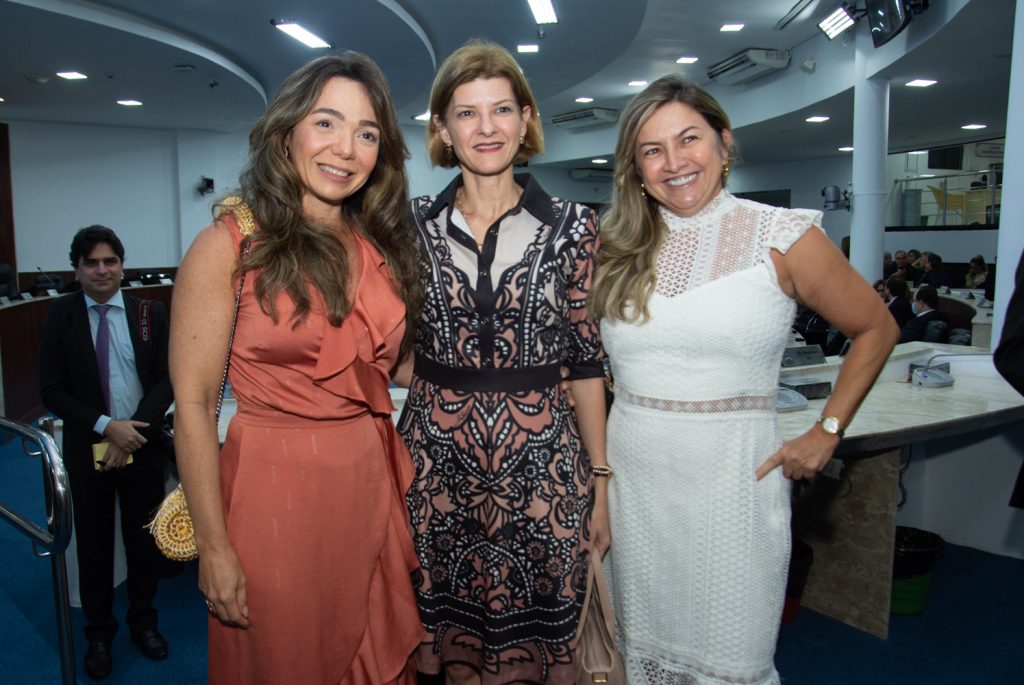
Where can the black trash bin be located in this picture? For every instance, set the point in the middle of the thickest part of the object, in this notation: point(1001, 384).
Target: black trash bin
point(913, 560)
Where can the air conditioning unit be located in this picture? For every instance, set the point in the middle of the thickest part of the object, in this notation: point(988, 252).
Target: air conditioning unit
point(591, 174)
point(593, 116)
point(748, 65)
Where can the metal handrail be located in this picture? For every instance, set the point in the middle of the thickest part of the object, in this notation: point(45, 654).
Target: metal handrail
point(53, 541)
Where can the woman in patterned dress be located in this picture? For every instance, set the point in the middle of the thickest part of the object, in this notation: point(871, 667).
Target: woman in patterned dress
point(696, 291)
point(506, 512)
point(305, 553)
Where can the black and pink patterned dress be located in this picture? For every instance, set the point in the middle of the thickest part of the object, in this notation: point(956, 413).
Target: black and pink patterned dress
point(501, 501)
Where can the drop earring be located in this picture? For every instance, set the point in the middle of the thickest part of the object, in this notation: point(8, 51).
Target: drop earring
point(725, 170)
point(643, 190)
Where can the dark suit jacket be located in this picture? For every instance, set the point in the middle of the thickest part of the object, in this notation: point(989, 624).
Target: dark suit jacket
point(937, 279)
point(916, 327)
point(900, 309)
point(69, 377)
point(1009, 356)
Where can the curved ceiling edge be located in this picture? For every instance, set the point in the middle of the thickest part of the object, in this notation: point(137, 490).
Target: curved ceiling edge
point(402, 14)
point(122, 21)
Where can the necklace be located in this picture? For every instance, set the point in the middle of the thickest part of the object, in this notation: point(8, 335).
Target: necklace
point(460, 204)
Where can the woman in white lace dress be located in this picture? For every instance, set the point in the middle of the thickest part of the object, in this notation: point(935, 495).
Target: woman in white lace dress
point(697, 290)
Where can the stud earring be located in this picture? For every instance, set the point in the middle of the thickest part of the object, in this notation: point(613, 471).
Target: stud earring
point(522, 140)
point(725, 170)
point(287, 153)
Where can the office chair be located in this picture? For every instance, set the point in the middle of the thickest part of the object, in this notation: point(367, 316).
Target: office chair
point(937, 332)
point(947, 202)
point(8, 281)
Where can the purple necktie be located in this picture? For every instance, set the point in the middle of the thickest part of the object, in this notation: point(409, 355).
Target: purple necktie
point(103, 351)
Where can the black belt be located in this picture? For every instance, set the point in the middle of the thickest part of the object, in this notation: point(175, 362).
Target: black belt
point(487, 380)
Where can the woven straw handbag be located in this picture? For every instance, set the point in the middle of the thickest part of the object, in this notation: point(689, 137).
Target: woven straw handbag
point(172, 524)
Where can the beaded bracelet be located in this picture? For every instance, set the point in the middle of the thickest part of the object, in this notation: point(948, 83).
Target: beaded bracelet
point(602, 470)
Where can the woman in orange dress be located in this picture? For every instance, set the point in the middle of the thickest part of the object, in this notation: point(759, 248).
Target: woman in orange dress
point(305, 553)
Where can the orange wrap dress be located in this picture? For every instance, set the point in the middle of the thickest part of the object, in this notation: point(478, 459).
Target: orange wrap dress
point(313, 476)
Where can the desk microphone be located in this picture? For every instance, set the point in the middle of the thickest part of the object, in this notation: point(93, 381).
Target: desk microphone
point(47, 279)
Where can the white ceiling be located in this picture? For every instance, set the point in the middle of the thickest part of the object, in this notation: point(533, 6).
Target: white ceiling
point(139, 48)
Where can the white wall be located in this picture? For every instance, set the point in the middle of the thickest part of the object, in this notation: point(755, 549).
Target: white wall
point(139, 182)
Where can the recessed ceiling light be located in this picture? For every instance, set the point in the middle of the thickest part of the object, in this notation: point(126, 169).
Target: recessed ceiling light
point(584, 100)
point(543, 12)
point(637, 84)
point(129, 103)
point(731, 27)
point(599, 160)
point(71, 75)
point(528, 48)
point(974, 127)
point(846, 149)
point(921, 83)
point(918, 152)
point(816, 120)
point(686, 60)
point(2, 100)
point(423, 117)
point(301, 34)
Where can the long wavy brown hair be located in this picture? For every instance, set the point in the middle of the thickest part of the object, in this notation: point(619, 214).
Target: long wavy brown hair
point(632, 231)
point(290, 252)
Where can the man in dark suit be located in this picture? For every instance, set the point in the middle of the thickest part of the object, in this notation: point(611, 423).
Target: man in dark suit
point(926, 302)
point(899, 305)
point(1009, 358)
point(103, 370)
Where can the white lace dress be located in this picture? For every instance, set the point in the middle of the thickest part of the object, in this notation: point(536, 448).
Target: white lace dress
point(701, 549)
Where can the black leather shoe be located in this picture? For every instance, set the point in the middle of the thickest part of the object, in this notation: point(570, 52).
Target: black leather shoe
point(151, 643)
point(98, 662)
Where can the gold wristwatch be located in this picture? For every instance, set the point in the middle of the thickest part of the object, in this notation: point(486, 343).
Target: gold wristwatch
point(830, 424)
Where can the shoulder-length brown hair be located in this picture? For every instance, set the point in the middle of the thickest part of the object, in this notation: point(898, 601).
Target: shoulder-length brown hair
point(632, 231)
point(291, 252)
point(480, 59)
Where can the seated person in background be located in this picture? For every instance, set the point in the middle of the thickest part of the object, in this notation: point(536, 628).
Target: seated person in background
point(904, 268)
point(899, 302)
point(879, 287)
point(926, 302)
point(981, 182)
point(934, 274)
point(977, 273)
point(888, 267)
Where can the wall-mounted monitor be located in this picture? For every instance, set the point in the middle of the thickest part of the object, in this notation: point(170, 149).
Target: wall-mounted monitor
point(886, 18)
point(946, 158)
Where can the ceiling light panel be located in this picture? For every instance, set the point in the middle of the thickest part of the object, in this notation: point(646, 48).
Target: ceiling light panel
point(816, 120)
point(71, 75)
point(584, 101)
point(129, 103)
point(974, 127)
point(837, 22)
point(921, 83)
point(599, 160)
point(543, 11)
point(686, 60)
point(304, 36)
point(731, 27)
point(637, 84)
point(528, 48)
point(846, 149)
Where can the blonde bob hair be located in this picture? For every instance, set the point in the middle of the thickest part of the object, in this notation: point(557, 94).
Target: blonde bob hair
point(480, 59)
point(632, 231)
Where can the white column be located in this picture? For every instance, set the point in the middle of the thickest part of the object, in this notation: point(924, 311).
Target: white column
point(870, 146)
point(1011, 210)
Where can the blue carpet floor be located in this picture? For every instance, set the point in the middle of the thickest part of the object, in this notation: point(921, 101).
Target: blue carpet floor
point(970, 632)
